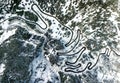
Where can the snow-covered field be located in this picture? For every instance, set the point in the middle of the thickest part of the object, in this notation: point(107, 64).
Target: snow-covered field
point(69, 41)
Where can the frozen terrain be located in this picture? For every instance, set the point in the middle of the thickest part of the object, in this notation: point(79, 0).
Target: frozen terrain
point(59, 41)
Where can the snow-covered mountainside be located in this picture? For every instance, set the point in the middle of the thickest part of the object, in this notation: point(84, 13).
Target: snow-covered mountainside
point(59, 41)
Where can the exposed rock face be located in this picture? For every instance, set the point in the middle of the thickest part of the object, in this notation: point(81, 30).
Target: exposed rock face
point(59, 41)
